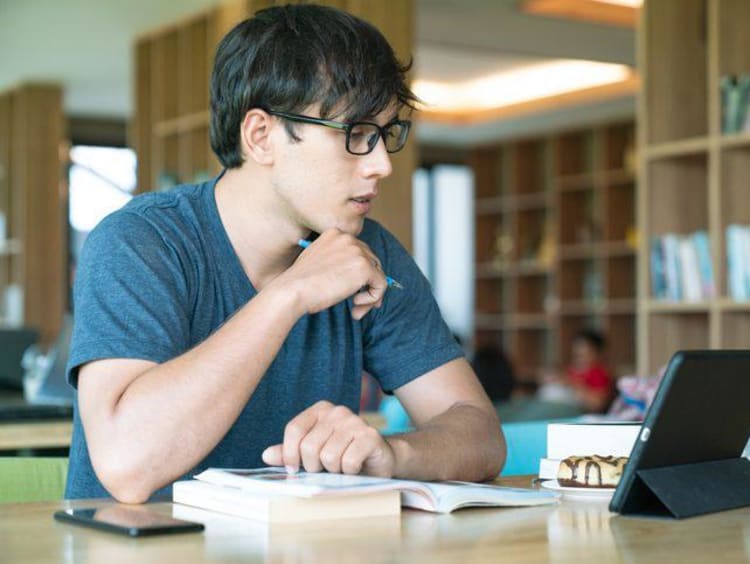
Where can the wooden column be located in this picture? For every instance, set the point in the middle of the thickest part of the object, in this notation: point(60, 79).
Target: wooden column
point(33, 201)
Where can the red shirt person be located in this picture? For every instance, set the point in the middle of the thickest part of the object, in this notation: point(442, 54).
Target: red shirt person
point(589, 375)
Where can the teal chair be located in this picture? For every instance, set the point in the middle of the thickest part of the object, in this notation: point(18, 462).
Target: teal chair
point(527, 444)
point(24, 479)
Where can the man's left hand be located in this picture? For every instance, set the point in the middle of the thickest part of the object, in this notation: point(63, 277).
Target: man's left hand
point(333, 438)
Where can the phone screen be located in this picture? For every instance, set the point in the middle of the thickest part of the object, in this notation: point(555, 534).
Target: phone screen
point(133, 521)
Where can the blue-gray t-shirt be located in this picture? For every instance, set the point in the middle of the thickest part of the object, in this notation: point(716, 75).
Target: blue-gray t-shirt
point(160, 275)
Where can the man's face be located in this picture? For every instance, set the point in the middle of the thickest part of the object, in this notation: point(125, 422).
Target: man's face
point(319, 185)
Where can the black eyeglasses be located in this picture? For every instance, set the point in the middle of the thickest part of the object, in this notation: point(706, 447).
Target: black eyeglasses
point(361, 136)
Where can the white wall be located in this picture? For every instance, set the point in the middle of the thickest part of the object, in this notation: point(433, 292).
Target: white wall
point(452, 241)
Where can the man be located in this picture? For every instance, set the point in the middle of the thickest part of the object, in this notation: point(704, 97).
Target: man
point(204, 334)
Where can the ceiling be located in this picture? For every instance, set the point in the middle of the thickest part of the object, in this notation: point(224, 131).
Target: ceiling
point(87, 46)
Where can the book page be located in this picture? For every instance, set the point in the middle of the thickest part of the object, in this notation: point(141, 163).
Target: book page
point(449, 496)
point(274, 480)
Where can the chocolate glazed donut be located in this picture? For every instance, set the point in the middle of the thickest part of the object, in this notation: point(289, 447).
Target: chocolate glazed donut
point(591, 471)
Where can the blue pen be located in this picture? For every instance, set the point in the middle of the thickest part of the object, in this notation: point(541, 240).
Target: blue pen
point(392, 283)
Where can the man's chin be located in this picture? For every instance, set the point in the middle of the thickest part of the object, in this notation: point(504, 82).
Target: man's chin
point(351, 227)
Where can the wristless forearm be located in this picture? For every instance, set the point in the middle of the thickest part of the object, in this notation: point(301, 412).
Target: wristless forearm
point(464, 443)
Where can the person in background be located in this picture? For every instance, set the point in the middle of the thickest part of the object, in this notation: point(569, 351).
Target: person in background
point(515, 399)
point(588, 375)
point(495, 373)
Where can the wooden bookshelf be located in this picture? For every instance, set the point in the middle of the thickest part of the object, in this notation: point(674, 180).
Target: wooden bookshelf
point(170, 130)
point(691, 176)
point(555, 220)
point(33, 249)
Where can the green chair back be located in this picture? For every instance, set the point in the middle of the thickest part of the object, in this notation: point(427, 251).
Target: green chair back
point(24, 479)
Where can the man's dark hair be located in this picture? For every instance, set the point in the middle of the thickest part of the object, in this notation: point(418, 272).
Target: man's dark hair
point(592, 337)
point(287, 58)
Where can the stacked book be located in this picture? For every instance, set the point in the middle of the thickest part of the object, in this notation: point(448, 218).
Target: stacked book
point(564, 440)
point(681, 267)
point(272, 495)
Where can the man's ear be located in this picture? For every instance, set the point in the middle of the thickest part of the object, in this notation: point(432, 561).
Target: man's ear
point(255, 135)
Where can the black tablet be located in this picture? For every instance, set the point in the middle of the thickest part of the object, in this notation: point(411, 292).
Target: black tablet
point(687, 458)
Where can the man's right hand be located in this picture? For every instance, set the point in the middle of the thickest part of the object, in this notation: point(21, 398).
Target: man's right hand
point(333, 268)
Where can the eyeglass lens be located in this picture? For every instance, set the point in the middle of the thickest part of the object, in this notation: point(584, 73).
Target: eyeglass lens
point(364, 136)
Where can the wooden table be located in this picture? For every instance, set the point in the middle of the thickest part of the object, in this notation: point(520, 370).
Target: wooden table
point(35, 434)
point(573, 531)
point(31, 433)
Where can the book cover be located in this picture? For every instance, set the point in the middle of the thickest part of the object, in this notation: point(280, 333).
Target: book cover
point(735, 262)
point(689, 271)
point(275, 508)
point(658, 281)
point(705, 264)
point(270, 493)
point(586, 439)
point(672, 267)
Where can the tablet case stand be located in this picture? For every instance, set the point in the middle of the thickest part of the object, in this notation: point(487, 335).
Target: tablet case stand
point(687, 490)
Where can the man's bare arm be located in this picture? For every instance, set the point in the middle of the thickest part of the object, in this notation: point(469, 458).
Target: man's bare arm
point(458, 435)
point(148, 424)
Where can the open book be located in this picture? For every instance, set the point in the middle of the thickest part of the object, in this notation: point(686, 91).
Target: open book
point(272, 494)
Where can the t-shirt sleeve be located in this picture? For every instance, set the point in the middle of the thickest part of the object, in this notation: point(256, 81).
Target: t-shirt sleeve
point(407, 336)
point(130, 295)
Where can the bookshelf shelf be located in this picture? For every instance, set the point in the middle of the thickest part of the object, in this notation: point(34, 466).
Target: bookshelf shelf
point(578, 251)
point(619, 177)
point(611, 307)
point(529, 321)
point(692, 177)
point(563, 206)
point(537, 201)
point(511, 270)
point(732, 306)
point(507, 204)
point(658, 306)
point(678, 148)
point(617, 249)
point(621, 307)
point(735, 140)
point(490, 206)
point(488, 321)
point(576, 182)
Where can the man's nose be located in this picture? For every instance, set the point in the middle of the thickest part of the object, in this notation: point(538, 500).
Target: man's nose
point(377, 163)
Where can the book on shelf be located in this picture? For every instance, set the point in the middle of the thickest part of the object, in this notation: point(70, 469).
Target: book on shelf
point(735, 98)
point(273, 495)
point(738, 261)
point(604, 438)
point(681, 267)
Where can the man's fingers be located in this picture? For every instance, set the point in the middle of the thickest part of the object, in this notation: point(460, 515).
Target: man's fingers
point(333, 451)
point(367, 444)
point(273, 456)
point(311, 446)
point(295, 432)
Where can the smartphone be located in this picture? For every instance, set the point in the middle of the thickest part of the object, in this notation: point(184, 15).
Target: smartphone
point(135, 521)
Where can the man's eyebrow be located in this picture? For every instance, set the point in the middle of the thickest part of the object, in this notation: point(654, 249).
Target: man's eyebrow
point(393, 117)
